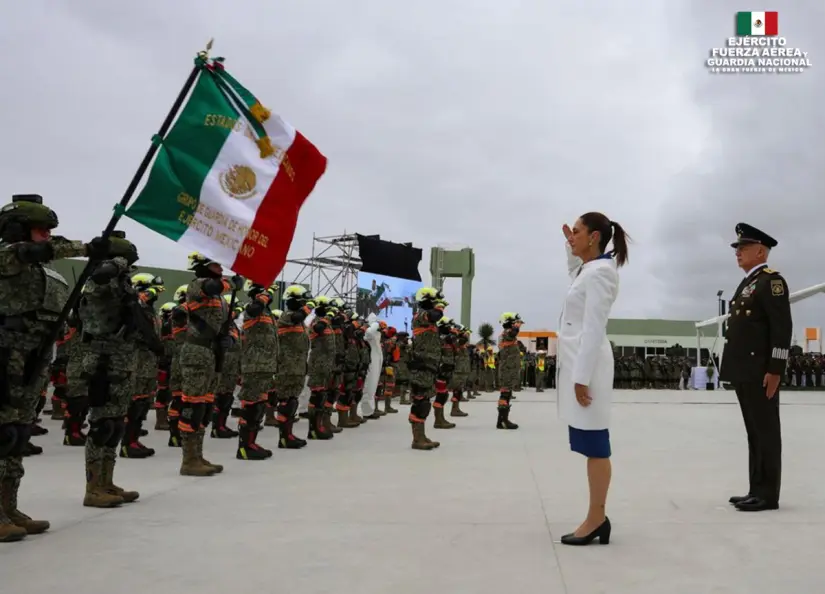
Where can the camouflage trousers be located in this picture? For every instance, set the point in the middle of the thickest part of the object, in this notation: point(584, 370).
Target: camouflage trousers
point(228, 379)
point(422, 383)
point(289, 386)
point(256, 388)
point(320, 374)
point(459, 381)
point(509, 378)
point(489, 379)
point(198, 378)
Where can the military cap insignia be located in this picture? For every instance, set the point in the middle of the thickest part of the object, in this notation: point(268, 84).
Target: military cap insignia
point(777, 288)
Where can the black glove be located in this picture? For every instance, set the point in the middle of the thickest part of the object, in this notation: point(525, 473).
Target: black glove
point(97, 249)
point(226, 342)
point(237, 282)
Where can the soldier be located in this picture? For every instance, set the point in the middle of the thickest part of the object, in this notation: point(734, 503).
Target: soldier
point(509, 362)
point(490, 384)
point(229, 377)
point(293, 348)
point(163, 395)
point(444, 373)
point(112, 318)
point(179, 319)
point(31, 298)
point(206, 341)
point(425, 357)
point(541, 364)
point(347, 415)
point(402, 370)
point(75, 396)
point(258, 365)
point(339, 320)
point(320, 369)
point(148, 288)
point(390, 353)
point(758, 338)
point(461, 373)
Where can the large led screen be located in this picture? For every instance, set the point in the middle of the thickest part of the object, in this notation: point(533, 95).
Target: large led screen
point(391, 299)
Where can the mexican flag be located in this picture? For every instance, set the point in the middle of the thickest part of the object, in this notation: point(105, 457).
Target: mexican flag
point(757, 23)
point(230, 178)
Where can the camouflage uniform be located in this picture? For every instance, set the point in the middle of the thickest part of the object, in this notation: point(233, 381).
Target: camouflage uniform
point(108, 369)
point(179, 319)
point(145, 380)
point(228, 380)
point(347, 405)
point(75, 396)
point(461, 374)
point(387, 382)
point(208, 313)
point(320, 374)
point(293, 347)
point(425, 357)
point(339, 397)
point(31, 298)
point(57, 372)
point(509, 369)
point(258, 366)
point(163, 395)
point(402, 370)
point(444, 375)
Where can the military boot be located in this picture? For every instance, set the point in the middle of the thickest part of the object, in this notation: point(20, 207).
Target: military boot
point(8, 499)
point(440, 421)
point(106, 480)
point(201, 434)
point(404, 397)
point(9, 531)
point(219, 428)
point(37, 429)
point(191, 464)
point(455, 410)
point(345, 421)
point(31, 450)
point(247, 448)
point(328, 424)
point(287, 440)
point(317, 428)
point(161, 419)
point(388, 406)
point(57, 409)
point(504, 418)
point(96, 493)
point(73, 435)
point(419, 442)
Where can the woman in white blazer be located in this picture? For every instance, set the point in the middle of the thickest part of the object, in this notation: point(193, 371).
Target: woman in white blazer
point(585, 358)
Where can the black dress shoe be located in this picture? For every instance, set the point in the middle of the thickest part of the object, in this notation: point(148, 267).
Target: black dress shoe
point(739, 499)
point(755, 504)
point(602, 533)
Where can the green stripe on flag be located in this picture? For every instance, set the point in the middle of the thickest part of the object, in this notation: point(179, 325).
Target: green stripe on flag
point(743, 23)
point(172, 191)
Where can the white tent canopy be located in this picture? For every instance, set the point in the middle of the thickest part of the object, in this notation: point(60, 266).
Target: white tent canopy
point(718, 321)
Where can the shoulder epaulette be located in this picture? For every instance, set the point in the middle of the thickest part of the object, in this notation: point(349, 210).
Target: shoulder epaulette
point(770, 271)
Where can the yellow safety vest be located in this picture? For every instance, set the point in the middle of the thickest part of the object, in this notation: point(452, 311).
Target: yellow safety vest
point(540, 364)
point(491, 362)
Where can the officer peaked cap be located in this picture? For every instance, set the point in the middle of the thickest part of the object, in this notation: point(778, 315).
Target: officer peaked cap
point(746, 234)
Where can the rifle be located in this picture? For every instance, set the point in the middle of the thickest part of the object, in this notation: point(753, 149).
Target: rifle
point(220, 353)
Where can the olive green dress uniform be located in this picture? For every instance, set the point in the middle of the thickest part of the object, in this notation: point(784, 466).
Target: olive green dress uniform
point(758, 338)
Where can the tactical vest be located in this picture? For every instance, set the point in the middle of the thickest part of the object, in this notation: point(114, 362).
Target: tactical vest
point(100, 308)
point(293, 344)
point(206, 314)
point(36, 292)
point(323, 343)
point(426, 345)
point(540, 364)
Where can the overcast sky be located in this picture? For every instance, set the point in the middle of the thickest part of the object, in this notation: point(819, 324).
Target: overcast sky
point(488, 124)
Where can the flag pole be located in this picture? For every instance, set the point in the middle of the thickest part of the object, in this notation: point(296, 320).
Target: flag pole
point(43, 350)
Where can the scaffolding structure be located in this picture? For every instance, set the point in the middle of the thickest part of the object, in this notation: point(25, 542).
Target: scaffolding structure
point(332, 270)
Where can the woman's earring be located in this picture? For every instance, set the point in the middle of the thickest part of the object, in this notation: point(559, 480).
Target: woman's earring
point(590, 243)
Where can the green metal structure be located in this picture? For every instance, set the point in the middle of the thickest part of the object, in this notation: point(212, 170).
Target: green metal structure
point(461, 263)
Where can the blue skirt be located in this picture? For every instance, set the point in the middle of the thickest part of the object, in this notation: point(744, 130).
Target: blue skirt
point(593, 443)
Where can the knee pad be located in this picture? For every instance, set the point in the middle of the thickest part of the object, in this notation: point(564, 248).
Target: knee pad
point(421, 408)
point(143, 409)
point(272, 398)
point(76, 408)
point(291, 407)
point(316, 398)
point(59, 392)
point(101, 431)
point(118, 431)
point(8, 439)
point(442, 397)
point(163, 397)
point(193, 414)
point(176, 405)
point(224, 401)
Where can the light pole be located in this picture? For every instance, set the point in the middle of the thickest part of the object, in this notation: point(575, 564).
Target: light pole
point(721, 302)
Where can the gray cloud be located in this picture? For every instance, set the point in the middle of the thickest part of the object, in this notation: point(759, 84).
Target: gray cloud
point(479, 123)
point(760, 163)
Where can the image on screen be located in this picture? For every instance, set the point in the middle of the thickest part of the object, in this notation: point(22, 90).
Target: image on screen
point(391, 299)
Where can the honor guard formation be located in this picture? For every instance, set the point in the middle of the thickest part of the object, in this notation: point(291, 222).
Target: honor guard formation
point(124, 351)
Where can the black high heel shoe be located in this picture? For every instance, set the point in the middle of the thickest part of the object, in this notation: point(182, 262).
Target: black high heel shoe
point(602, 533)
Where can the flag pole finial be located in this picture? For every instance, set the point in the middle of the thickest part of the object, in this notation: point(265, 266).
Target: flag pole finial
point(205, 52)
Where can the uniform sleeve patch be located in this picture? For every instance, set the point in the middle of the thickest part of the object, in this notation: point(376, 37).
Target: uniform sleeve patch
point(777, 288)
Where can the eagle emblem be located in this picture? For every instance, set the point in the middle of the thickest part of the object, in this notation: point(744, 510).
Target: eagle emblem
point(758, 23)
point(239, 181)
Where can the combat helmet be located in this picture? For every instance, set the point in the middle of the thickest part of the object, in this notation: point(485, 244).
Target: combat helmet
point(296, 296)
point(167, 308)
point(199, 264)
point(428, 297)
point(180, 294)
point(508, 318)
point(143, 281)
point(24, 213)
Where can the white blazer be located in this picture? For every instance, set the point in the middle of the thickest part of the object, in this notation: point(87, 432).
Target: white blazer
point(583, 351)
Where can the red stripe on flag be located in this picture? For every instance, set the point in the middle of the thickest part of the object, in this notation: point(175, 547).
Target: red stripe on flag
point(277, 216)
point(771, 23)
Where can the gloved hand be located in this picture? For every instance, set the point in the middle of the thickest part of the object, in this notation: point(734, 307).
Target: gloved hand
point(237, 282)
point(389, 371)
point(226, 342)
point(122, 248)
point(97, 249)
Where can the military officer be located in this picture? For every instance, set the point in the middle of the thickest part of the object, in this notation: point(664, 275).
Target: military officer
point(758, 338)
